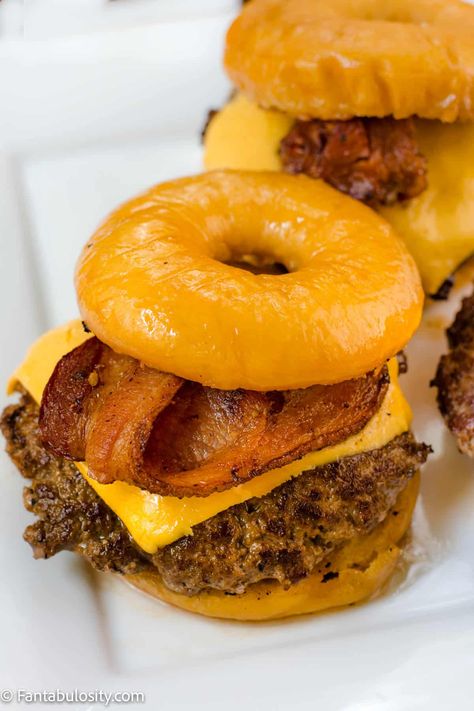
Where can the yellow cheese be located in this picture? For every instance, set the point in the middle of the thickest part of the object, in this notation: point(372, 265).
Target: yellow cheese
point(153, 520)
point(243, 136)
point(438, 226)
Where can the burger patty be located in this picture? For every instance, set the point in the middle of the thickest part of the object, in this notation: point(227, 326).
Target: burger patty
point(70, 514)
point(455, 378)
point(281, 536)
point(373, 160)
point(287, 533)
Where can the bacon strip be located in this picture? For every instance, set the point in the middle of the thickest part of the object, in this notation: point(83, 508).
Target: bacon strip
point(179, 438)
point(100, 407)
point(295, 423)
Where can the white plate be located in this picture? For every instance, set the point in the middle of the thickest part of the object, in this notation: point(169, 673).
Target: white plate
point(90, 120)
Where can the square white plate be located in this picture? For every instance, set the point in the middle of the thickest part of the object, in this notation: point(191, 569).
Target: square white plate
point(88, 120)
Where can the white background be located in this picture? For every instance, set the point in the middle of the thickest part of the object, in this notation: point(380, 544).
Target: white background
point(100, 100)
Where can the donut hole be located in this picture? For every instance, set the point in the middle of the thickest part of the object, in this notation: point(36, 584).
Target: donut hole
point(257, 264)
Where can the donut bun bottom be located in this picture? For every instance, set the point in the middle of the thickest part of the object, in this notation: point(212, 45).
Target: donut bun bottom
point(352, 574)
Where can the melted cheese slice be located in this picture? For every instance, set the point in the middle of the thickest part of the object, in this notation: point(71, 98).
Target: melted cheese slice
point(438, 225)
point(153, 520)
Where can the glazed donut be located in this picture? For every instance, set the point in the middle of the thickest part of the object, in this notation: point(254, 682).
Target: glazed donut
point(335, 59)
point(155, 283)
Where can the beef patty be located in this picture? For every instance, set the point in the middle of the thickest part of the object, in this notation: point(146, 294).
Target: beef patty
point(455, 378)
point(373, 160)
point(281, 536)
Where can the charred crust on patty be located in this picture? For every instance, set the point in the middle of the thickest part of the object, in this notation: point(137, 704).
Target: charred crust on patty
point(454, 378)
point(70, 515)
point(283, 535)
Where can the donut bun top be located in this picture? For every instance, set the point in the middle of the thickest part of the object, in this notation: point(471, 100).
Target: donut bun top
point(156, 282)
point(336, 59)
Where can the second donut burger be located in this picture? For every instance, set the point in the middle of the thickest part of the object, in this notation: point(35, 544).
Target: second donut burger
point(376, 97)
point(232, 441)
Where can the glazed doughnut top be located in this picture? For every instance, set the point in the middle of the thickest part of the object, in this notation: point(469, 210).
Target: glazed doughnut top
point(156, 282)
point(335, 59)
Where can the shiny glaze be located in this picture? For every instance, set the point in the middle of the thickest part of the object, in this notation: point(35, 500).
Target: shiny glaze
point(152, 282)
point(334, 59)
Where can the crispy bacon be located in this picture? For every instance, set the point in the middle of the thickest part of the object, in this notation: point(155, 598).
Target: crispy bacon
point(284, 427)
point(66, 399)
point(179, 438)
point(100, 407)
point(376, 160)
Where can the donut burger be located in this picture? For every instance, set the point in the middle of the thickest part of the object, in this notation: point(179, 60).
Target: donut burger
point(231, 440)
point(454, 378)
point(375, 97)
